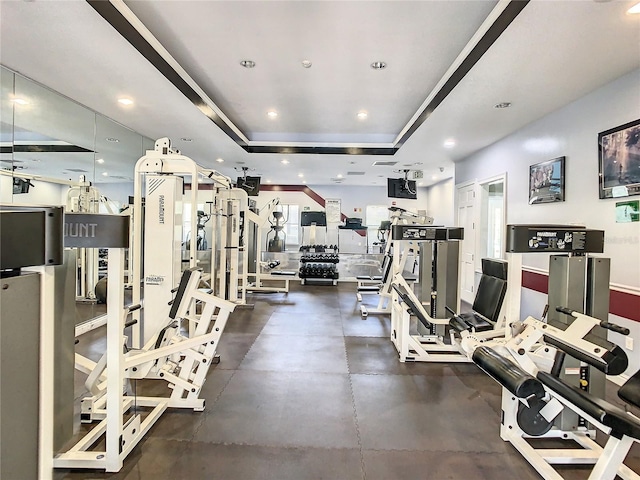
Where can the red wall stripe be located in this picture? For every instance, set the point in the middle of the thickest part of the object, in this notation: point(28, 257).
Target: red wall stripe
point(623, 304)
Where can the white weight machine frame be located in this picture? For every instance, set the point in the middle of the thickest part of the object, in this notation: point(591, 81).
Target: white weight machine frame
point(82, 197)
point(260, 220)
point(163, 160)
point(398, 258)
point(527, 349)
point(182, 361)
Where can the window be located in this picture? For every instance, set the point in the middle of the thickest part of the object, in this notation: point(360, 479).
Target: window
point(374, 216)
point(291, 214)
point(492, 219)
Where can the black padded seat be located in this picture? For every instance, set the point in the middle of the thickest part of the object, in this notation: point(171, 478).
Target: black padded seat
point(471, 320)
point(508, 374)
point(620, 422)
point(630, 391)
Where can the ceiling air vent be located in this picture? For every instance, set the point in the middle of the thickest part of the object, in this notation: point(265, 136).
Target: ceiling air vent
point(337, 180)
point(77, 170)
point(384, 164)
point(355, 173)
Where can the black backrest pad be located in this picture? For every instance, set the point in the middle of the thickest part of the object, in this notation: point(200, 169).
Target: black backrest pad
point(494, 268)
point(506, 373)
point(492, 289)
point(630, 391)
point(184, 280)
point(489, 297)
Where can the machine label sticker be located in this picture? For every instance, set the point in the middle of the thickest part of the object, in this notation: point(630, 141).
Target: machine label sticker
point(161, 209)
point(556, 240)
point(154, 280)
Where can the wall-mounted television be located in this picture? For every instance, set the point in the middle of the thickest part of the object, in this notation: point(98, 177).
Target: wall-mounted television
point(401, 188)
point(251, 185)
point(21, 185)
point(309, 218)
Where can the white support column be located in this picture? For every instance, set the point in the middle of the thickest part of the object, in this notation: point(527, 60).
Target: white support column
point(115, 359)
point(513, 296)
point(47, 346)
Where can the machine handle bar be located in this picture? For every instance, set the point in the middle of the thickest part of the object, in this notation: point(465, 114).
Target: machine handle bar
point(604, 324)
point(133, 308)
point(615, 328)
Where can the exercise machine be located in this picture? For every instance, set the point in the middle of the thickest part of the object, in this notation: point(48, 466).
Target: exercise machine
point(30, 346)
point(180, 359)
point(275, 243)
point(528, 366)
point(157, 226)
point(396, 257)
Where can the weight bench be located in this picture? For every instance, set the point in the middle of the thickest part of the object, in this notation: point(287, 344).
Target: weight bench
point(533, 398)
point(485, 311)
point(178, 358)
point(418, 348)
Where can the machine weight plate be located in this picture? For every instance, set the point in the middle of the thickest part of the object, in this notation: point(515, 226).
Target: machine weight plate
point(530, 420)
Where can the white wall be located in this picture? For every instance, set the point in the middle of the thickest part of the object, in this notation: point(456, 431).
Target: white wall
point(572, 132)
point(117, 192)
point(42, 193)
point(440, 201)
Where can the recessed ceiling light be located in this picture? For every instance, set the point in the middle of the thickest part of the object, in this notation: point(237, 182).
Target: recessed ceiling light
point(634, 9)
point(378, 65)
point(20, 101)
point(100, 160)
point(306, 63)
point(125, 101)
point(301, 175)
point(435, 177)
point(502, 105)
point(112, 140)
point(272, 114)
point(284, 161)
point(247, 63)
point(362, 115)
point(304, 182)
point(105, 174)
point(420, 184)
point(268, 181)
point(219, 160)
point(185, 139)
point(339, 175)
point(449, 143)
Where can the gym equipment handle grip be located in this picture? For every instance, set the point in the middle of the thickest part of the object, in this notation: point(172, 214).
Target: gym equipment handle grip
point(565, 310)
point(133, 308)
point(615, 328)
point(130, 322)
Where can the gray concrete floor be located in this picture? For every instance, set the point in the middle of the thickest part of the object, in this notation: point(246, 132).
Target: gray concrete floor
point(307, 389)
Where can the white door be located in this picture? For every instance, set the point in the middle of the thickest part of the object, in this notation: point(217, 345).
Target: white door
point(466, 201)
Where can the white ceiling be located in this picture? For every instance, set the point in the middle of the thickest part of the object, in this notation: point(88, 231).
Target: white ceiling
point(553, 53)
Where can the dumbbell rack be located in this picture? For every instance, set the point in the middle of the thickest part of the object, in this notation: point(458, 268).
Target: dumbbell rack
point(318, 263)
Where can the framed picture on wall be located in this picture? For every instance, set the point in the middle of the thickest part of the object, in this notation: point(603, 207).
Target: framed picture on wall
point(546, 181)
point(619, 160)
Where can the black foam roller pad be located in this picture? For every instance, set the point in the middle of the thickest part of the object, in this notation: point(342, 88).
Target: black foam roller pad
point(508, 374)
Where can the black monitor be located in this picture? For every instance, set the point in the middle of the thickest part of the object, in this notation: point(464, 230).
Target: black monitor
point(251, 185)
point(401, 188)
point(21, 185)
point(309, 218)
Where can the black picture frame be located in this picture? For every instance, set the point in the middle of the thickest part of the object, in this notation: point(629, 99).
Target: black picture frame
point(619, 161)
point(546, 181)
